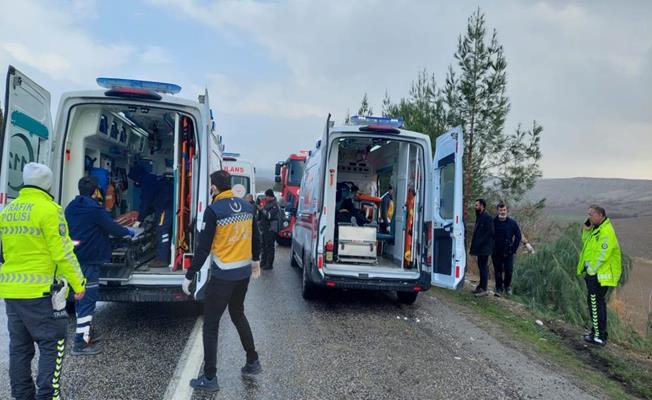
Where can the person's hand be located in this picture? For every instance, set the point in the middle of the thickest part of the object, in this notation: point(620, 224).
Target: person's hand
point(529, 248)
point(255, 269)
point(136, 224)
point(80, 295)
point(185, 286)
point(132, 232)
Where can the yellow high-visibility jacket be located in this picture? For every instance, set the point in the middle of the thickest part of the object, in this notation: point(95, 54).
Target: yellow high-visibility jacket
point(35, 247)
point(601, 254)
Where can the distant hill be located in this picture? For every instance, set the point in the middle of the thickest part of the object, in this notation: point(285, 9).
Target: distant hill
point(263, 183)
point(621, 197)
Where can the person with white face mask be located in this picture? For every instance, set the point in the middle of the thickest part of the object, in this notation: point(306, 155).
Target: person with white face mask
point(507, 238)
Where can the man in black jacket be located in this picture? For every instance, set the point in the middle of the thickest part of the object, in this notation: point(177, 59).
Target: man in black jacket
point(482, 244)
point(230, 237)
point(507, 237)
point(270, 219)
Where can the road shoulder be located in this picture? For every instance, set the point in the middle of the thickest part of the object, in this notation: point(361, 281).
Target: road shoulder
point(552, 346)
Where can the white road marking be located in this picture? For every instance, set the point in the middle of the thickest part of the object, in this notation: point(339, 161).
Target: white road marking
point(188, 365)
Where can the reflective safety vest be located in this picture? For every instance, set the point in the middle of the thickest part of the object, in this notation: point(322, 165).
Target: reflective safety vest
point(231, 248)
point(601, 254)
point(35, 247)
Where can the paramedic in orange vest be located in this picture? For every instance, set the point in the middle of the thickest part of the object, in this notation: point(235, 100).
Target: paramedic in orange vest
point(231, 238)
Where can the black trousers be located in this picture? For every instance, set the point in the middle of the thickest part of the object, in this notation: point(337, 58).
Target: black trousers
point(503, 269)
point(220, 294)
point(483, 262)
point(32, 321)
point(269, 247)
point(597, 306)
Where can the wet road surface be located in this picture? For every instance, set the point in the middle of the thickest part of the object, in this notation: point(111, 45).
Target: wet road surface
point(346, 345)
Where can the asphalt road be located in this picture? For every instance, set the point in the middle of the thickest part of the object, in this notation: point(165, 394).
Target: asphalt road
point(347, 345)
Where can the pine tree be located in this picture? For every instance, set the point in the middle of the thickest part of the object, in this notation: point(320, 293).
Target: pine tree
point(365, 110)
point(347, 118)
point(387, 105)
point(497, 165)
point(423, 111)
point(476, 99)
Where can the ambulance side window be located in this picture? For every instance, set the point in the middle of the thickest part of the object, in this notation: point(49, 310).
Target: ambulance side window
point(447, 192)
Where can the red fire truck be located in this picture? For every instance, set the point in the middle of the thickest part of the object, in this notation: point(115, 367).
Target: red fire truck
point(289, 174)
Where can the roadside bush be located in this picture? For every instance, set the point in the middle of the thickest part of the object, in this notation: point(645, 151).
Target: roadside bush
point(548, 282)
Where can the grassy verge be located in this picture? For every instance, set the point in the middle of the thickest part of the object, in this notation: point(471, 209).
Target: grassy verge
point(618, 374)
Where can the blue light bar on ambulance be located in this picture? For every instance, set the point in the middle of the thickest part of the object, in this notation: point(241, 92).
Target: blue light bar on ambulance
point(362, 120)
point(160, 87)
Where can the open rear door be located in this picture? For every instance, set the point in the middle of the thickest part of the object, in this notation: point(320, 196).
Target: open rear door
point(448, 253)
point(26, 134)
point(203, 196)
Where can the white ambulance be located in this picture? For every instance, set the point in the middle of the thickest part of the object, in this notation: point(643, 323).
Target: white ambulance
point(338, 239)
point(243, 174)
point(108, 131)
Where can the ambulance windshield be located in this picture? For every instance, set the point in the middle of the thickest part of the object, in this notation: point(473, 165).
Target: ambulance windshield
point(295, 172)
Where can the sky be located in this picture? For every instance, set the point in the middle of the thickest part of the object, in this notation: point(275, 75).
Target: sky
point(275, 69)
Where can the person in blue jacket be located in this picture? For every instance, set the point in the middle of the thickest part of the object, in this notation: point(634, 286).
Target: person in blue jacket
point(155, 196)
point(90, 225)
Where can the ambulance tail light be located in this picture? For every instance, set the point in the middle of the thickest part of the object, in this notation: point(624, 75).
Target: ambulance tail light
point(320, 262)
point(132, 93)
point(328, 248)
point(429, 248)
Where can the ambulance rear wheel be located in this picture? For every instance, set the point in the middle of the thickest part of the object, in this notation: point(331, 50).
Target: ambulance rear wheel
point(407, 297)
point(309, 290)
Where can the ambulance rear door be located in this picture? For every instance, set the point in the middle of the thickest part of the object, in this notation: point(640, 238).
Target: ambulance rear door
point(206, 131)
point(26, 132)
point(448, 252)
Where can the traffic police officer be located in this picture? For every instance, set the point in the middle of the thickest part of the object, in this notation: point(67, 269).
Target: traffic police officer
point(38, 258)
point(601, 264)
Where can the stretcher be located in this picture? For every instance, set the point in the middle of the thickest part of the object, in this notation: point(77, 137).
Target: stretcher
point(129, 253)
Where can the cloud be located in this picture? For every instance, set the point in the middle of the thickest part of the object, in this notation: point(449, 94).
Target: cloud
point(571, 66)
point(260, 98)
point(582, 69)
point(48, 39)
point(155, 55)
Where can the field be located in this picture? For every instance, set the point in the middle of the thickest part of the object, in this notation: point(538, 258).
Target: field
point(635, 236)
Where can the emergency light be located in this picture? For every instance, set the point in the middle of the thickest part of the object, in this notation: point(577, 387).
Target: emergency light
point(362, 120)
point(160, 87)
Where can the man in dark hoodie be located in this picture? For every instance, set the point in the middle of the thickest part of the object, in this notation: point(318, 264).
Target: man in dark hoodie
point(482, 244)
point(270, 219)
point(90, 225)
point(507, 238)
